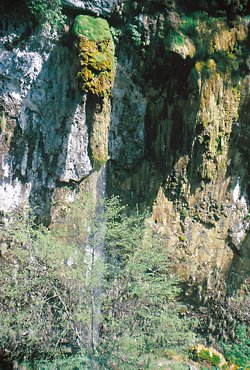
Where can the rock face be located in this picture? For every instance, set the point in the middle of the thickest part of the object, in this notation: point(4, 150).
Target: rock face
point(176, 130)
point(180, 144)
point(128, 115)
point(45, 115)
point(44, 133)
point(96, 7)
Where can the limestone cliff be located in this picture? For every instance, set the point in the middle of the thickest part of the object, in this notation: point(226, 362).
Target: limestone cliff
point(176, 130)
point(185, 152)
point(45, 135)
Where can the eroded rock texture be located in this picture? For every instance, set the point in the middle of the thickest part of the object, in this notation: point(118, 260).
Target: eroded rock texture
point(44, 133)
point(179, 144)
point(96, 7)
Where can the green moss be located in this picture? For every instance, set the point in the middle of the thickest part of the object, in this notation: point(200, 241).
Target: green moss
point(189, 25)
point(212, 359)
point(204, 354)
point(174, 38)
point(98, 134)
point(215, 41)
point(98, 163)
point(227, 64)
point(201, 28)
point(215, 359)
point(95, 29)
point(97, 55)
point(218, 145)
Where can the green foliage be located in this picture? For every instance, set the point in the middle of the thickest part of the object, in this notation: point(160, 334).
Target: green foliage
point(140, 309)
point(207, 356)
point(204, 354)
point(80, 361)
point(238, 352)
point(45, 310)
point(62, 307)
point(135, 34)
point(47, 11)
point(189, 25)
point(218, 145)
point(115, 32)
point(206, 33)
point(227, 63)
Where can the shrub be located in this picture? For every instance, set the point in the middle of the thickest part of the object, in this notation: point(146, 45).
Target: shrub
point(44, 293)
point(135, 34)
point(140, 309)
point(115, 32)
point(47, 11)
point(238, 352)
point(63, 306)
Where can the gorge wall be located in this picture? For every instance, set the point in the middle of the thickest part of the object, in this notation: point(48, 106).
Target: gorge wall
point(175, 133)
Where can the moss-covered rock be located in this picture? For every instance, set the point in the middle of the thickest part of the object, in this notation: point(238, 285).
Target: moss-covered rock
point(97, 55)
point(99, 135)
point(181, 44)
point(95, 29)
point(210, 356)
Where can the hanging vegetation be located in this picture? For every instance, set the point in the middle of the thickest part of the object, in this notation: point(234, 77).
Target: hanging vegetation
point(97, 55)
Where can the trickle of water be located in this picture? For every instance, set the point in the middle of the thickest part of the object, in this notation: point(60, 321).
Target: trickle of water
point(94, 257)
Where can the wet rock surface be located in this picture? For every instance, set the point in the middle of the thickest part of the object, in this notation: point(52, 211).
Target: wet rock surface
point(96, 7)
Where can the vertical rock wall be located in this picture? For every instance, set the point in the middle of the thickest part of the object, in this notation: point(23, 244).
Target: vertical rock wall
point(48, 126)
point(180, 144)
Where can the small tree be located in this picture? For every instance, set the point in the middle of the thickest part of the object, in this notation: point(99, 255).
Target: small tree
point(108, 299)
point(140, 307)
point(44, 293)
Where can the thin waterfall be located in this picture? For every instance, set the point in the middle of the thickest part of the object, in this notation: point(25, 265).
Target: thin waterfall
point(94, 258)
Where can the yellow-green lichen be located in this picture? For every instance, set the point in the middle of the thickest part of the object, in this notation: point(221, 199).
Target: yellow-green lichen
point(199, 65)
point(2, 123)
point(212, 358)
point(97, 55)
point(214, 40)
point(209, 355)
point(182, 238)
point(99, 135)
